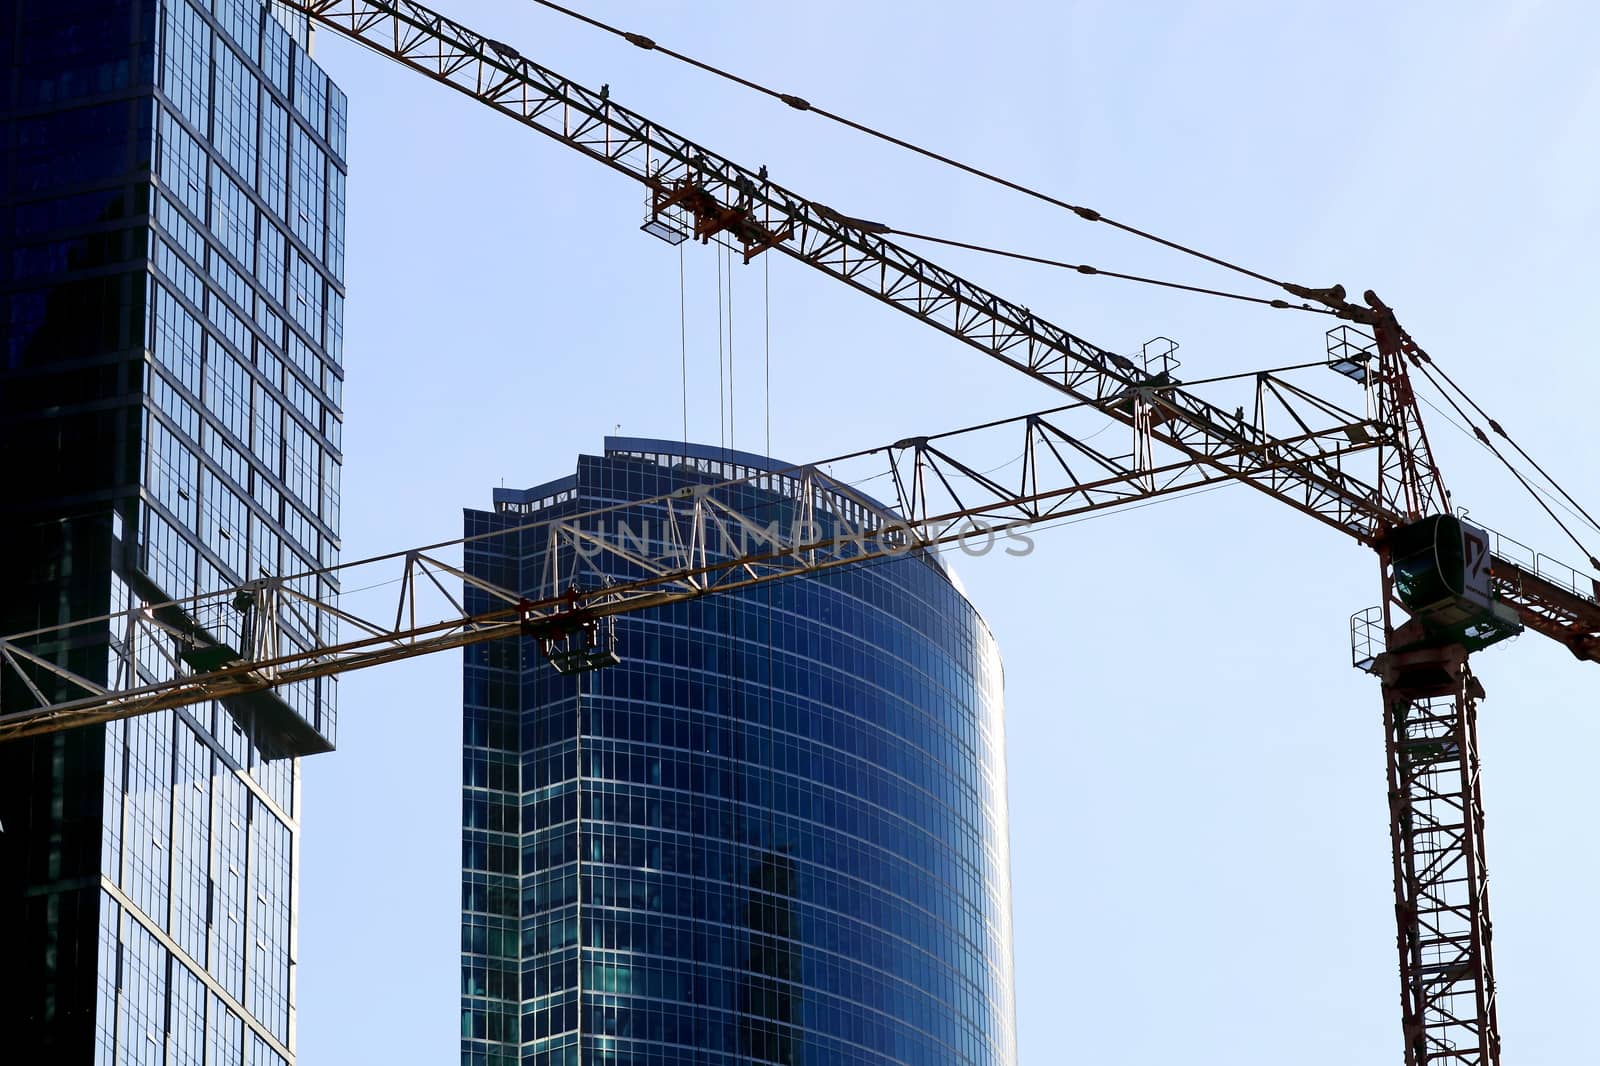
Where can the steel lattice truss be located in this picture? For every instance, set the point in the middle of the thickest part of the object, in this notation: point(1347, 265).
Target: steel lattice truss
point(700, 540)
point(1305, 469)
point(1549, 596)
point(705, 538)
point(1361, 473)
point(723, 198)
point(1441, 891)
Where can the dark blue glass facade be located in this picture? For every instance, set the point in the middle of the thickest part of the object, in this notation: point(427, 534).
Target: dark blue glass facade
point(171, 300)
point(775, 832)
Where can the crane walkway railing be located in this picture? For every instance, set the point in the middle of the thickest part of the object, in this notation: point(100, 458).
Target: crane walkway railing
point(1542, 566)
point(1549, 596)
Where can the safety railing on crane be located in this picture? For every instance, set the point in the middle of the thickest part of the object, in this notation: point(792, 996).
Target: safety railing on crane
point(1543, 566)
point(1366, 638)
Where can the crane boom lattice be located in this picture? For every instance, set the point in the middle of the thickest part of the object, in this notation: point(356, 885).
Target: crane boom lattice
point(263, 636)
point(1370, 475)
point(721, 197)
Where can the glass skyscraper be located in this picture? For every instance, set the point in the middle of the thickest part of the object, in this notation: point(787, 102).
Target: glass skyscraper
point(171, 299)
point(773, 832)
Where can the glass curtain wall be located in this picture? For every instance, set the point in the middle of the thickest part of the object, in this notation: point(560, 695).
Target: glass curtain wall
point(775, 832)
point(172, 289)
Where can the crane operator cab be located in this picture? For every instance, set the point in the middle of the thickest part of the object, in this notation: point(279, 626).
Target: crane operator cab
point(1441, 576)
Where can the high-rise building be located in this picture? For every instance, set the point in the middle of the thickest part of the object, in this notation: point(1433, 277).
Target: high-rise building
point(774, 831)
point(171, 299)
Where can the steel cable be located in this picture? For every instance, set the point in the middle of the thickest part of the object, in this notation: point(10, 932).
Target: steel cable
point(799, 103)
point(1423, 365)
point(1500, 432)
point(1083, 268)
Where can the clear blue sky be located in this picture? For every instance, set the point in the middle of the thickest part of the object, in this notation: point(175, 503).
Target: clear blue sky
point(1199, 844)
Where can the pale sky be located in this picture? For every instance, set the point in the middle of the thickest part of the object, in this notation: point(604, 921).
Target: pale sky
point(1199, 833)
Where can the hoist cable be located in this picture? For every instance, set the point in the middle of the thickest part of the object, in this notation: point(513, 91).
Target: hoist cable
point(798, 103)
point(767, 314)
point(683, 345)
point(733, 391)
point(722, 384)
point(1088, 214)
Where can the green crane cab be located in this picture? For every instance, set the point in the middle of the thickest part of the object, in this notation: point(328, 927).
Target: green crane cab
point(1442, 573)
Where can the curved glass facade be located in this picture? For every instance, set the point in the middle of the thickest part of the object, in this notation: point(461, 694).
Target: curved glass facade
point(774, 832)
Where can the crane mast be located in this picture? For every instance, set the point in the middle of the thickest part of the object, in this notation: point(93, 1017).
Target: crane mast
point(1448, 588)
point(1430, 718)
point(1447, 995)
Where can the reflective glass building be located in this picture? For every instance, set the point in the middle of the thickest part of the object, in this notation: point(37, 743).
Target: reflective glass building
point(171, 299)
point(774, 832)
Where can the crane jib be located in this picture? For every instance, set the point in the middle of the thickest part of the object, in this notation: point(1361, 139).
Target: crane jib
point(1303, 475)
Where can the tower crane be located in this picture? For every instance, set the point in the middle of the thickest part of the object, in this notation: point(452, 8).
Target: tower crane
point(1448, 588)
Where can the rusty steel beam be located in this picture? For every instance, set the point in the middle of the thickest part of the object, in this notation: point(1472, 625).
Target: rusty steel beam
point(1551, 604)
point(1447, 993)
